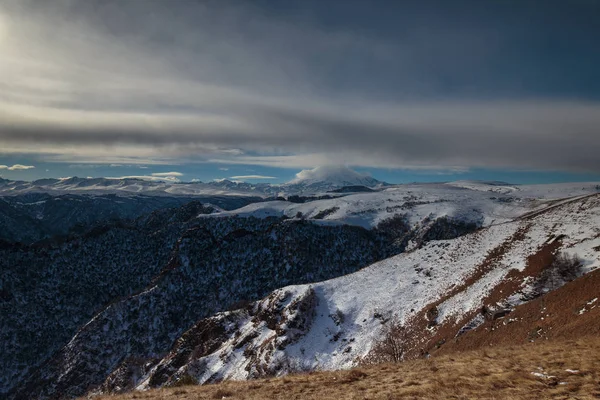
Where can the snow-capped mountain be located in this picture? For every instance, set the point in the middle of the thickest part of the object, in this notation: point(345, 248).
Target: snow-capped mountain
point(326, 178)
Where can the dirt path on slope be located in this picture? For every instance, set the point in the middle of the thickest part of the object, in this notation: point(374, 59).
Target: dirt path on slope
point(553, 205)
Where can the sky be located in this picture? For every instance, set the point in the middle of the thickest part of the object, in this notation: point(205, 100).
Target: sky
point(258, 89)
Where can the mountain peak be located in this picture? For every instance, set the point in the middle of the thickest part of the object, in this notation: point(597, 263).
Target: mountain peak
point(336, 175)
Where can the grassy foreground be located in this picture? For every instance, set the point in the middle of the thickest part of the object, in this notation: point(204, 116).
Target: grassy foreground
point(549, 370)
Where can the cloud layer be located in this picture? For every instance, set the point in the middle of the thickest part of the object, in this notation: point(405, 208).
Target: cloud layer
point(17, 167)
point(148, 178)
point(250, 177)
point(174, 174)
point(138, 82)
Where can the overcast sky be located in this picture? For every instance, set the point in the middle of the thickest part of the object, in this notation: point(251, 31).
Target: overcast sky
point(405, 90)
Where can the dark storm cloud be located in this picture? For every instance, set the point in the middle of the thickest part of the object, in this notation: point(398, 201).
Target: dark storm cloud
point(137, 80)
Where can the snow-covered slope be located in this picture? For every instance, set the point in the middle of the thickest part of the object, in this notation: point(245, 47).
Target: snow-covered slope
point(547, 191)
point(478, 203)
point(214, 264)
point(486, 186)
point(439, 288)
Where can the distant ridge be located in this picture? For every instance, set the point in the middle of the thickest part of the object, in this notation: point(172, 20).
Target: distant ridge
point(352, 189)
point(317, 180)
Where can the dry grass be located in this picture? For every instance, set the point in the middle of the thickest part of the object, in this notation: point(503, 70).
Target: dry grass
point(491, 373)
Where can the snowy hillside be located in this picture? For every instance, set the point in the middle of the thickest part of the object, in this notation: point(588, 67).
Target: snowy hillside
point(334, 324)
point(546, 191)
point(476, 202)
point(162, 274)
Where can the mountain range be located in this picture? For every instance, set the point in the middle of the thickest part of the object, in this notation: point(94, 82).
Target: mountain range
point(115, 285)
point(317, 180)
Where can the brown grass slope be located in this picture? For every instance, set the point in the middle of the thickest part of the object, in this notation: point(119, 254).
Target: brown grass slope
point(569, 312)
point(554, 370)
point(549, 349)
